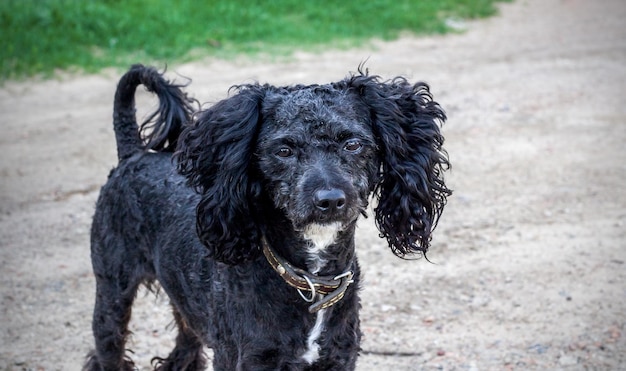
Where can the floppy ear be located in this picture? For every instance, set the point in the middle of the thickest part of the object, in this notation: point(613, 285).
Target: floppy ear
point(411, 190)
point(215, 154)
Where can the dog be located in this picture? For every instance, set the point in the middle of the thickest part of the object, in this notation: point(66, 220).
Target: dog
point(245, 213)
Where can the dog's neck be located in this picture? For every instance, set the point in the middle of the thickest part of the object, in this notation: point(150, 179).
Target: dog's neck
point(319, 249)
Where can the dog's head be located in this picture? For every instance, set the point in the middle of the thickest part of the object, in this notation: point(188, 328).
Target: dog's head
point(314, 154)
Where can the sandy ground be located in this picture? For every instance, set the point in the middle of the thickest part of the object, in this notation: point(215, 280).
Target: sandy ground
point(529, 260)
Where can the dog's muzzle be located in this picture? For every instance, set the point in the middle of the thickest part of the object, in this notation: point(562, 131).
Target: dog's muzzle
point(328, 290)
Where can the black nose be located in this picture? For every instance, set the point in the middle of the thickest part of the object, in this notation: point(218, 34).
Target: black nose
point(330, 200)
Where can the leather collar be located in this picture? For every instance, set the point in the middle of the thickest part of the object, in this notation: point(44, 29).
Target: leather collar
point(328, 290)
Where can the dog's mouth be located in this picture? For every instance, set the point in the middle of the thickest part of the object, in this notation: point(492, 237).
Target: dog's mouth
point(310, 226)
point(336, 220)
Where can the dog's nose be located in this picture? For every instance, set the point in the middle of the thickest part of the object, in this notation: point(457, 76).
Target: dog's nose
point(330, 200)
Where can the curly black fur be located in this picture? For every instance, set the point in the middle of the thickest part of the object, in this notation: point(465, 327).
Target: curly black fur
point(411, 191)
point(294, 166)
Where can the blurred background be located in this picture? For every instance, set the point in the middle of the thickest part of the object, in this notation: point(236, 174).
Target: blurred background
point(40, 36)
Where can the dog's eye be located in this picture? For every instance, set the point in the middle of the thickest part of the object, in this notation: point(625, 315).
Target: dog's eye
point(353, 145)
point(284, 152)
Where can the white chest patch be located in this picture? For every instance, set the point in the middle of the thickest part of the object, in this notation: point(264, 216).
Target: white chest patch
point(313, 348)
point(320, 237)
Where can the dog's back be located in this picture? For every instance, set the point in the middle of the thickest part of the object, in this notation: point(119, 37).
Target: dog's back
point(145, 170)
point(144, 202)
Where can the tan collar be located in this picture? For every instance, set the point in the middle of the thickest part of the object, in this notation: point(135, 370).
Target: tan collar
point(327, 289)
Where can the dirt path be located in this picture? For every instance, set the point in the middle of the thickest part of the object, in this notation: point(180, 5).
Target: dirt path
point(530, 258)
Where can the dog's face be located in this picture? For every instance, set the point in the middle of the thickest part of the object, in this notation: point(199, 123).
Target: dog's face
point(317, 152)
point(317, 156)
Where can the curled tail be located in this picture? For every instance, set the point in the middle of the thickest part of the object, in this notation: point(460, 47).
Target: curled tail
point(161, 129)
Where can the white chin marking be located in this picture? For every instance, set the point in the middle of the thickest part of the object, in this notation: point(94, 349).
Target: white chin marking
point(320, 237)
point(313, 348)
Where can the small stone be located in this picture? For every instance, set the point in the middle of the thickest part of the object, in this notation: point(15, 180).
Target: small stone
point(614, 333)
point(567, 360)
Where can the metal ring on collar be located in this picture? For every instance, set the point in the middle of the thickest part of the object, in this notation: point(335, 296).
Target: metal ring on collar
point(312, 287)
point(347, 274)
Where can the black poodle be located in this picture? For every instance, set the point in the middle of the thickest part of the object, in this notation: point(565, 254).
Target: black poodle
point(245, 213)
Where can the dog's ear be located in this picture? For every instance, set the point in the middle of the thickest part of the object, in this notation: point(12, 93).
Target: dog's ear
point(215, 154)
point(411, 190)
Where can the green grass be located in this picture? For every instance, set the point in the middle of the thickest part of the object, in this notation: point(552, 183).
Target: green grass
point(41, 36)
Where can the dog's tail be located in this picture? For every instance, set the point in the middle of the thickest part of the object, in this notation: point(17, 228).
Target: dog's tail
point(160, 131)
